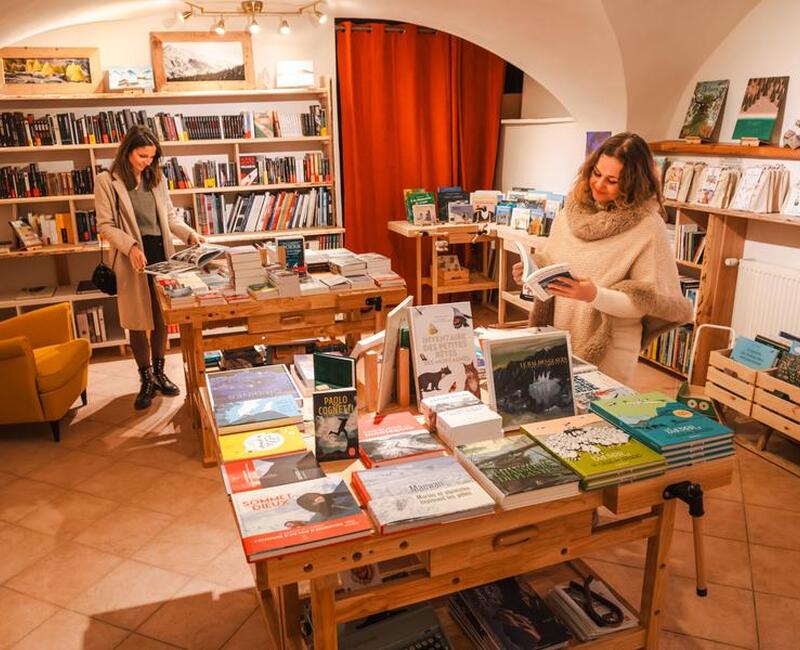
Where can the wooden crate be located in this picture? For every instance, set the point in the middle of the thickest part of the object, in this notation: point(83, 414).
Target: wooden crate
point(730, 382)
point(453, 277)
point(776, 403)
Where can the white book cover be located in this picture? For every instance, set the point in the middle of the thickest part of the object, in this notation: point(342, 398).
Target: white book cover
point(443, 350)
point(394, 319)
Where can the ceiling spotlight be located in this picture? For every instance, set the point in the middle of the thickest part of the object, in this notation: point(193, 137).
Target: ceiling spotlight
point(284, 28)
point(220, 26)
point(321, 17)
point(183, 16)
point(253, 27)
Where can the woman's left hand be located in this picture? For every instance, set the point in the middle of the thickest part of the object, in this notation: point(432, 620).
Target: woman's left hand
point(195, 238)
point(581, 288)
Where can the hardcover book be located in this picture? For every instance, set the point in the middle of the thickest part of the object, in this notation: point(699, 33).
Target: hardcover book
point(704, 110)
point(530, 377)
point(409, 495)
point(299, 516)
point(443, 351)
point(260, 443)
point(396, 318)
point(431, 406)
point(763, 101)
point(593, 385)
point(336, 425)
point(256, 473)
point(395, 438)
point(251, 383)
point(597, 451)
point(334, 371)
point(517, 471)
point(660, 422)
point(468, 424)
point(246, 415)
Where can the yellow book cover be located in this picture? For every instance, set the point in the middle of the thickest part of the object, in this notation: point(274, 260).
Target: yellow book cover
point(66, 233)
point(261, 442)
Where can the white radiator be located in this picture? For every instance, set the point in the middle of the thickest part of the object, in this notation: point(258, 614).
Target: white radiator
point(767, 299)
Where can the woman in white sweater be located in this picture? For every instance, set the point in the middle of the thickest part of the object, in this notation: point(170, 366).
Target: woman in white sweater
point(612, 233)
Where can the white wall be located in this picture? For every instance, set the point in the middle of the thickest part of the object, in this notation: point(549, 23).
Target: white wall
point(538, 102)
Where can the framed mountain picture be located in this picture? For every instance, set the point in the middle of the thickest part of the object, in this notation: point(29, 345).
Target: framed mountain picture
point(705, 107)
point(763, 101)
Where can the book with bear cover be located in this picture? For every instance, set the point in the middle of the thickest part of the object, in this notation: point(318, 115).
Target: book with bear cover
point(530, 377)
point(298, 516)
point(256, 473)
point(336, 425)
point(443, 350)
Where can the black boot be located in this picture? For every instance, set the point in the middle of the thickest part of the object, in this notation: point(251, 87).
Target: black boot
point(161, 381)
point(147, 389)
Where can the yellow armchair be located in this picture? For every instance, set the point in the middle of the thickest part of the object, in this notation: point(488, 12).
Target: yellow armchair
point(43, 367)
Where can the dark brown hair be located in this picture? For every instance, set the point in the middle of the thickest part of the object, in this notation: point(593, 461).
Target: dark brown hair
point(638, 180)
point(137, 136)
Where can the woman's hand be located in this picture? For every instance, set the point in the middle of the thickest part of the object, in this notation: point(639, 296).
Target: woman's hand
point(137, 258)
point(581, 288)
point(196, 238)
point(516, 273)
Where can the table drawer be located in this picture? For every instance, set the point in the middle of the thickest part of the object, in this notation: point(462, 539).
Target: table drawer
point(290, 320)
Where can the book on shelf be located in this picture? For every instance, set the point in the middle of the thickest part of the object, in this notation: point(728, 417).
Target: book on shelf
point(25, 234)
point(705, 107)
point(187, 259)
point(420, 493)
point(271, 471)
point(569, 601)
point(395, 438)
point(335, 414)
point(763, 100)
point(597, 451)
point(271, 169)
point(517, 471)
point(535, 280)
point(34, 292)
point(507, 614)
point(261, 443)
point(448, 195)
point(86, 286)
point(299, 516)
point(530, 377)
point(31, 182)
point(91, 324)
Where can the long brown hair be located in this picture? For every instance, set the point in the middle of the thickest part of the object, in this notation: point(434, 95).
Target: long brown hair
point(638, 180)
point(138, 136)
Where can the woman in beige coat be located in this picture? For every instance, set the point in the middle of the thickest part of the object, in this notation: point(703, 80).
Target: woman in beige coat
point(136, 216)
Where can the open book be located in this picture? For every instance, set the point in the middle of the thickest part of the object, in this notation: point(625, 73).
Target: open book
point(535, 280)
point(191, 257)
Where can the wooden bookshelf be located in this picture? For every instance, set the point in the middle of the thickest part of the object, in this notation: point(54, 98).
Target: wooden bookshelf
point(769, 217)
point(724, 149)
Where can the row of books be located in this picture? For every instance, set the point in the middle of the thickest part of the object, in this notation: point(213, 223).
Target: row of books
point(260, 212)
point(91, 324)
point(30, 181)
point(26, 130)
point(267, 170)
point(690, 242)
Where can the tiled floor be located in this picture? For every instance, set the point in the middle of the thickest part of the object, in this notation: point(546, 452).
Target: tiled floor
point(118, 538)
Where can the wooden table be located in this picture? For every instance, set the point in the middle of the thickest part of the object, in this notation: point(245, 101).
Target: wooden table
point(269, 322)
point(456, 233)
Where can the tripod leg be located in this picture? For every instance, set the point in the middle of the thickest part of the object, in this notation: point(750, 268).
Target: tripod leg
point(699, 556)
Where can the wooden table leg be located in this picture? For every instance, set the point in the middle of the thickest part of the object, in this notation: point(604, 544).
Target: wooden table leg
point(291, 613)
point(501, 281)
point(434, 270)
point(485, 267)
point(656, 574)
point(418, 243)
point(323, 612)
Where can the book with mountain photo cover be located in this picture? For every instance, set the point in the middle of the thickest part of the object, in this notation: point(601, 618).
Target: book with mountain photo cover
point(286, 518)
point(256, 473)
point(191, 257)
point(395, 438)
point(443, 349)
point(530, 377)
point(336, 425)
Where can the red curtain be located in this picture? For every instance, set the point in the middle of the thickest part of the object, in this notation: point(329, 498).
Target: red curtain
point(417, 110)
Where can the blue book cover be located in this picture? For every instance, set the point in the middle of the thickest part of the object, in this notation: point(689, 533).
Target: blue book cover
point(753, 354)
point(250, 413)
point(658, 421)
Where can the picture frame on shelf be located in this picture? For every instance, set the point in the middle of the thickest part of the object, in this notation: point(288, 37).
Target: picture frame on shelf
point(294, 74)
point(133, 78)
point(50, 70)
point(187, 61)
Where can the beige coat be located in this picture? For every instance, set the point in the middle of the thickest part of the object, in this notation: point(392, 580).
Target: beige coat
point(121, 232)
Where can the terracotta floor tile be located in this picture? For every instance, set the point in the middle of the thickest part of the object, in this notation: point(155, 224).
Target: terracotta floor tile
point(163, 451)
point(68, 630)
point(726, 615)
point(64, 573)
point(6, 478)
point(778, 622)
point(731, 492)
point(24, 453)
point(229, 568)
point(727, 561)
point(78, 433)
point(200, 616)
point(23, 496)
point(672, 641)
point(193, 466)
point(174, 494)
point(252, 634)
point(121, 481)
point(115, 442)
point(722, 519)
point(20, 615)
point(70, 469)
point(139, 642)
point(128, 595)
point(185, 547)
point(125, 530)
point(21, 548)
point(764, 484)
point(68, 515)
point(775, 570)
point(215, 509)
point(773, 527)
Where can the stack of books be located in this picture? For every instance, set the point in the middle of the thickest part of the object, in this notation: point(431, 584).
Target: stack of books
point(598, 452)
point(568, 600)
point(389, 279)
point(430, 407)
point(347, 264)
point(395, 438)
point(680, 434)
point(310, 286)
point(286, 282)
point(335, 283)
point(360, 281)
point(376, 263)
point(420, 493)
point(461, 426)
point(262, 291)
point(245, 265)
point(594, 385)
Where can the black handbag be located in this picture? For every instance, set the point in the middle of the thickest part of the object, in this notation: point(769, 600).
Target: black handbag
point(104, 277)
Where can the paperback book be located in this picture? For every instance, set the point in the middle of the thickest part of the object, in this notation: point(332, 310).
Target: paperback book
point(753, 354)
point(517, 471)
point(336, 425)
point(256, 473)
point(568, 600)
point(430, 407)
point(288, 518)
point(536, 280)
point(261, 443)
point(395, 438)
point(191, 257)
point(530, 377)
point(395, 319)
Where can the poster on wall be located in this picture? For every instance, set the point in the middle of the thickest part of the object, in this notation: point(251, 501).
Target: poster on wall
point(763, 101)
point(50, 70)
point(594, 139)
point(702, 117)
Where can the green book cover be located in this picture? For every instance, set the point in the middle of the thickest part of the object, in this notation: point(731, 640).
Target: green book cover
point(334, 371)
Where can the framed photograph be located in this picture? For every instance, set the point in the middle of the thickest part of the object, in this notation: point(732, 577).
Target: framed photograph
point(51, 70)
point(294, 74)
point(202, 61)
point(130, 77)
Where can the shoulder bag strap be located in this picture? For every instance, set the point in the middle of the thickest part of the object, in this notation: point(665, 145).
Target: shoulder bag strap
point(116, 213)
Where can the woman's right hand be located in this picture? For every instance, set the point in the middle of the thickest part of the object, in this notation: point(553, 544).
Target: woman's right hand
point(516, 273)
point(137, 258)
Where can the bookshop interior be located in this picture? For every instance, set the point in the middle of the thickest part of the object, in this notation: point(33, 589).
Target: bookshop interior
point(391, 325)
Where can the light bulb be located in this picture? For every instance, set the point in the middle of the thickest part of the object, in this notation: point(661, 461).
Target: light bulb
point(321, 17)
point(220, 27)
point(284, 28)
point(183, 16)
point(253, 27)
